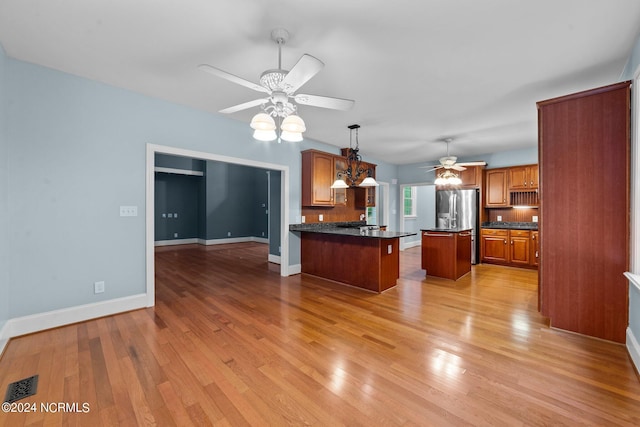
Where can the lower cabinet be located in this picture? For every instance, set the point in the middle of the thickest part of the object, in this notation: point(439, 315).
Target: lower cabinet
point(517, 248)
point(446, 254)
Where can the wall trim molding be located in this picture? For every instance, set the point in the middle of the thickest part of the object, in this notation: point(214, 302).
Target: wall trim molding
point(66, 316)
point(274, 259)
point(4, 337)
point(295, 269)
point(174, 242)
point(633, 348)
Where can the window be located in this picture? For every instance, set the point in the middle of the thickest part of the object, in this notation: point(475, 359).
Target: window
point(409, 194)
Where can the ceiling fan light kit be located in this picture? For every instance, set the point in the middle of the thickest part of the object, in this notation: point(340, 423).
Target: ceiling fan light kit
point(449, 163)
point(281, 85)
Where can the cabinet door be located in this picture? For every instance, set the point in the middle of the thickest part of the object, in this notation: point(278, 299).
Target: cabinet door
point(519, 247)
point(339, 194)
point(533, 176)
point(535, 248)
point(519, 178)
point(496, 191)
point(471, 176)
point(494, 248)
point(317, 177)
point(438, 254)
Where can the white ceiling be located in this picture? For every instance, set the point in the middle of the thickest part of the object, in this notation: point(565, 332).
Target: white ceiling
point(419, 71)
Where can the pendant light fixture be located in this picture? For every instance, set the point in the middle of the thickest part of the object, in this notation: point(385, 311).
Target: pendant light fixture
point(354, 170)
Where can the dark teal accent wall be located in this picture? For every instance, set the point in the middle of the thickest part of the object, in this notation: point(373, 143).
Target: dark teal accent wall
point(177, 206)
point(229, 198)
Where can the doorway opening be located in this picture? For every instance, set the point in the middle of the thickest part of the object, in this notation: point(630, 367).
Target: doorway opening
point(282, 209)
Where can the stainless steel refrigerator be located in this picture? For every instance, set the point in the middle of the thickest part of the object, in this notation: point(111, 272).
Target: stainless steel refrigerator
point(459, 209)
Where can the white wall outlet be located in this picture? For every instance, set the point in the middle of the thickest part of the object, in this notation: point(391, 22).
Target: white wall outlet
point(98, 287)
point(164, 215)
point(170, 215)
point(499, 218)
point(175, 234)
point(302, 220)
point(175, 215)
point(228, 234)
point(320, 217)
point(128, 211)
point(534, 218)
point(389, 249)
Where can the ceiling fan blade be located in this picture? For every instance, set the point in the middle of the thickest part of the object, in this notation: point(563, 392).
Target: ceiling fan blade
point(324, 101)
point(306, 67)
point(472, 163)
point(232, 78)
point(244, 106)
point(432, 169)
point(458, 167)
point(431, 166)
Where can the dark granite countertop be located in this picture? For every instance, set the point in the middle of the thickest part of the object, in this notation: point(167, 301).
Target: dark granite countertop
point(347, 229)
point(446, 230)
point(511, 225)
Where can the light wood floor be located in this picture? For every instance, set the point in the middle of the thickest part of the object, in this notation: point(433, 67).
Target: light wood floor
point(230, 342)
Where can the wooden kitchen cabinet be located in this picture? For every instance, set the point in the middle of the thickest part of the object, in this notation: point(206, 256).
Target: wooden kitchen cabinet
point(317, 177)
point(535, 248)
point(496, 188)
point(523, 177)
point(519, 252)
point(471, 177)
point(339, 194)
point(446, 254)
point(495, 245)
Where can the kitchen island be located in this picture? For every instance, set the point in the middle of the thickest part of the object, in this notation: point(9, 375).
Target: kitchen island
point(351, 253)
point(446, 252)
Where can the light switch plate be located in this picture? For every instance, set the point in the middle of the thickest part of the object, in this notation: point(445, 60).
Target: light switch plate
point(128, 211)
point(535, 218)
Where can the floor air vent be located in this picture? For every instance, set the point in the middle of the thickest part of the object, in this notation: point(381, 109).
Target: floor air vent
point(21, 389)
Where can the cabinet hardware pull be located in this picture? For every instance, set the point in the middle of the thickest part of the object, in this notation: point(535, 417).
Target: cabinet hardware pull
point(438, 234)
point(505, 241)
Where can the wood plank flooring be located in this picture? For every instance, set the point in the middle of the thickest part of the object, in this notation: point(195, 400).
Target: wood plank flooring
point(232, 343)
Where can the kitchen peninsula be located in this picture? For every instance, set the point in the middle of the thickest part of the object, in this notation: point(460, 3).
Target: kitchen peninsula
point(351, 253)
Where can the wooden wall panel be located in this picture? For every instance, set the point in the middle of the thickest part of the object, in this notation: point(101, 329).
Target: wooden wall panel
point(584, 212)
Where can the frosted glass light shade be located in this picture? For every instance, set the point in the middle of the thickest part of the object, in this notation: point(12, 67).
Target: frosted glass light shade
point(264, 135)
point(263, 121)
point(369, 182)
point(291, 136)
point(293, 123)
point(338, 183)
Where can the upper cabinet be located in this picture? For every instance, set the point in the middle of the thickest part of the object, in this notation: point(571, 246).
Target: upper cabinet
point(496, 188)
point(320, 170)
point(523, 177)
point(317, 177)
point(512, 186)
point(471, 177)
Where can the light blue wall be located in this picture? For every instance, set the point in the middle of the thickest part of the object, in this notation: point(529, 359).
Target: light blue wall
point(77, 151)
point(414, 174)
point(425, 212)
point(4, 197)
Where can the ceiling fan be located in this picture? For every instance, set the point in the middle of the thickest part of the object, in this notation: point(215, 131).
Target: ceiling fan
point(450, 162)
point(279, 85)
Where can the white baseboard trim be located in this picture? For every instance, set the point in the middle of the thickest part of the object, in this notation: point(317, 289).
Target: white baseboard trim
point(175, 242)
point(66, 316)
point(4, 336)
point(413, 244)
point(633, 348)
point(295, 269)
point(274, 259)
point(227, 240)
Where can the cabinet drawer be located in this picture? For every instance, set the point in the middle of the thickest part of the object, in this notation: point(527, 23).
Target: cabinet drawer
point(494, 232)
point(520, 233)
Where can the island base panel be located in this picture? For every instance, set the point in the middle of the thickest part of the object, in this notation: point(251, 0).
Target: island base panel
point(367, 263)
